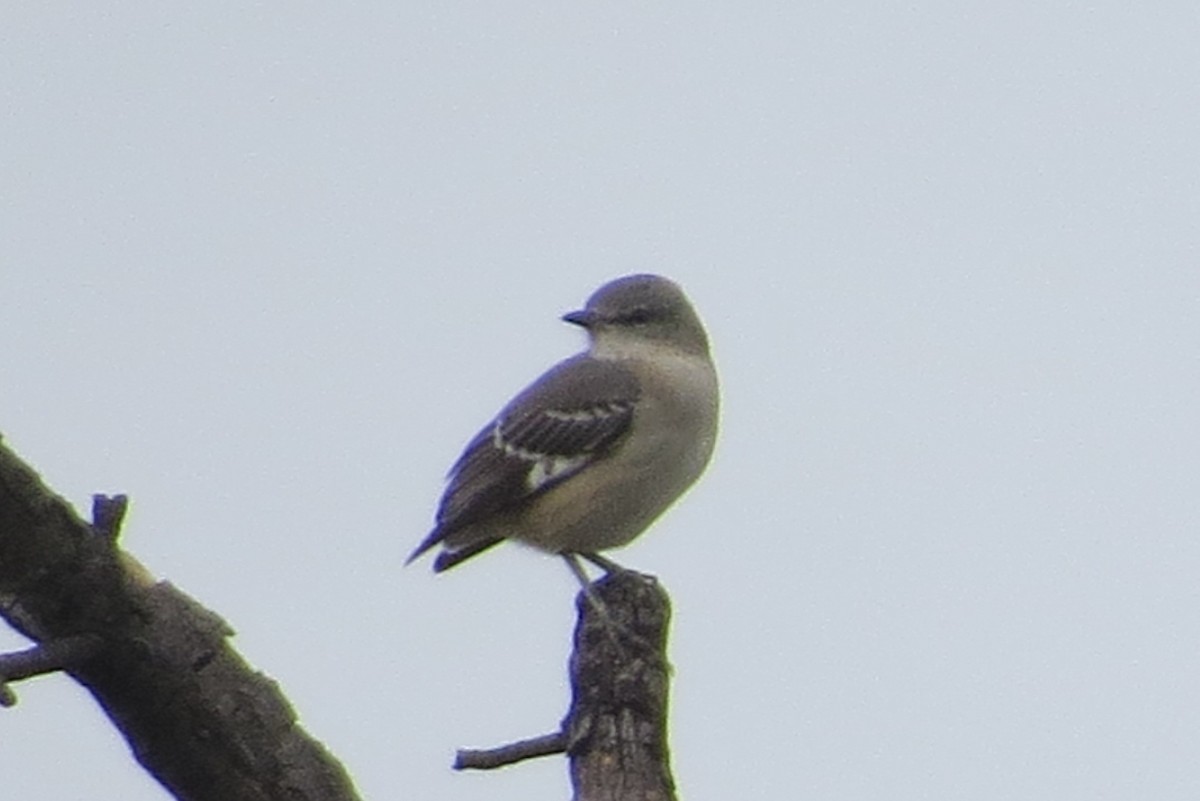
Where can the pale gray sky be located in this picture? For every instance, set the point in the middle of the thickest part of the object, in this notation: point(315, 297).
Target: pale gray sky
point(266, 267)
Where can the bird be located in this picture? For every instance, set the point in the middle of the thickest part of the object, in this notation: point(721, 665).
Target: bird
point(589, 455)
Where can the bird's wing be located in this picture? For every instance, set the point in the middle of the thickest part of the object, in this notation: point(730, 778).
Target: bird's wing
point(562, 423)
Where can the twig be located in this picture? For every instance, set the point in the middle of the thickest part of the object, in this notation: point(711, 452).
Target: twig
point(108, 513)
point(489, 758)
point(47, 657)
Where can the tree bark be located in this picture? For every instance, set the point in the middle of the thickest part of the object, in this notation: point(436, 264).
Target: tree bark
point(615, 732)
point(196, 716)
point(617, 726)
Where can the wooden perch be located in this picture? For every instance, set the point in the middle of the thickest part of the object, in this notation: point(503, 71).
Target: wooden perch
point(615, 733)
point(199, 719)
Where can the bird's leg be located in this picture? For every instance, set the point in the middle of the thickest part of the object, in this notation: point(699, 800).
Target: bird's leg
point(618, 632)
point(572, 561)
point(602, 562)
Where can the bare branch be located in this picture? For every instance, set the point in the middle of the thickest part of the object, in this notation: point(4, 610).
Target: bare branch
point(487, 759)
point(199, 719)
point(48, 657)
point(615, 733)
point(620, 678)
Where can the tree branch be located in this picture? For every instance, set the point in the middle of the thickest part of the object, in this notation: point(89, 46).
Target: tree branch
point(48, 657)
point(620, 679)
point(196, 716)
point(615, 733)
point(489, 758)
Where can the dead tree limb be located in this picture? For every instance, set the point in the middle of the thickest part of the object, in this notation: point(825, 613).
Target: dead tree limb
point(199, 719)
point(615, 733)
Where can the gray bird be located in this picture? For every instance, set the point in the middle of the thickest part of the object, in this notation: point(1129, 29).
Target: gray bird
point(590, 454)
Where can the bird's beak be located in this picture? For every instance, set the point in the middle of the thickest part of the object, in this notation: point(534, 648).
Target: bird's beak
point(583, 318)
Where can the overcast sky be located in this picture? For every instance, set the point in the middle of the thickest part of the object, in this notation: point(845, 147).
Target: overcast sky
point(267, 267)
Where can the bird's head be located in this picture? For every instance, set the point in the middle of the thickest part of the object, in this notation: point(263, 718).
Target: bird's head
point(638, 311)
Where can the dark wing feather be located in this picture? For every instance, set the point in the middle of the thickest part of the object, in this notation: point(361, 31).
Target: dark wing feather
point(566, 419)
point(448, 559)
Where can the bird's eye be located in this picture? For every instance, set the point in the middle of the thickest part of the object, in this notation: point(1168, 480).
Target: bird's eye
point(637, 317)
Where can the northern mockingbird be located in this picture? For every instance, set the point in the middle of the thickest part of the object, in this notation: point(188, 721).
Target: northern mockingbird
point(587, 456)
